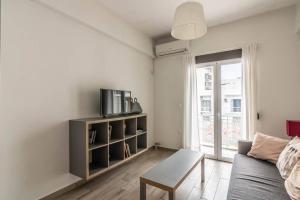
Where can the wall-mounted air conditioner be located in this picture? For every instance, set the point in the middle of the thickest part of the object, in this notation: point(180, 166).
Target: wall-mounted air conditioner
point(178, 46)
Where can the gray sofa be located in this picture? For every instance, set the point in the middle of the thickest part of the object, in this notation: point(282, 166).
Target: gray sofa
point(253, 179)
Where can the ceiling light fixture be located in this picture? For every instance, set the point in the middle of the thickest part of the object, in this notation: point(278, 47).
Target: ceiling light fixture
point(189, 21)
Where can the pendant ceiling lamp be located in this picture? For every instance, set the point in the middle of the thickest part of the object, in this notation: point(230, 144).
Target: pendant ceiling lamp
point(189, 21)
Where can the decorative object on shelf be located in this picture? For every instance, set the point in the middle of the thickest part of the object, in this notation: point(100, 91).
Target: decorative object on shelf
point(293, 128)
point(135, 107)
point(189, 21)
point(109, 131)
point(92, 136)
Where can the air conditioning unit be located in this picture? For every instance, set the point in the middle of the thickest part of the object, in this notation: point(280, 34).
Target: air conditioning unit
point(298, 19)
point(178, 46)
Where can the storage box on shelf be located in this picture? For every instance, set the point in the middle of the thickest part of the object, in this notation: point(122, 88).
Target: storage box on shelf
point(100, 144)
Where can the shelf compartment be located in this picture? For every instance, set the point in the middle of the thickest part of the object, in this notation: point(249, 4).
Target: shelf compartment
point(141, 142)
point(116, 153)
point(132, 146)
point(116, 130)
point(98, 160)
point(130, 126)
point(101, 138)
point(142, 124)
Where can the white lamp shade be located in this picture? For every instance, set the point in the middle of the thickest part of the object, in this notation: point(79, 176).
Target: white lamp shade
point(189, 21)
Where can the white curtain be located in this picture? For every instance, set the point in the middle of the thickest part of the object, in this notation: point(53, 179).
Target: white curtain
point(250, 84)
point(191, 135)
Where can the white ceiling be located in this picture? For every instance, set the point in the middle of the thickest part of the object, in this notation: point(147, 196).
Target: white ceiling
point(154, 17)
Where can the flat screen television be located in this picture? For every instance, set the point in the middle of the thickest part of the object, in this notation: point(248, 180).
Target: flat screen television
point(114, 102)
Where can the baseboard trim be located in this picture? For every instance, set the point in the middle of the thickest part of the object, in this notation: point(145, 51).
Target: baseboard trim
point(73, 186)
point(64, 190)
point(167, 148)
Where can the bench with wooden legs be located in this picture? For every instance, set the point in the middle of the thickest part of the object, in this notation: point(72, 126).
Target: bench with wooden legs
point(170, 173)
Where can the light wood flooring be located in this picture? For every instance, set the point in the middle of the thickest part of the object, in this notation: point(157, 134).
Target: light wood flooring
point(122, 183)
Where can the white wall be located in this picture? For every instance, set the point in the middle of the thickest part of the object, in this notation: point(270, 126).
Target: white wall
point(297, 22)
point(51, 70)
point(94, 15)
point(278, 69)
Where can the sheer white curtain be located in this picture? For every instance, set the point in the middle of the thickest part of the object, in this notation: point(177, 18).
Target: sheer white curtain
point(191, 135)
point(249, 54)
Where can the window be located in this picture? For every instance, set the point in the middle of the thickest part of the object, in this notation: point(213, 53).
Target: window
point(208, 85)
point(205, 103)
point(208, 80)
point(236, 105)
point(206, 118)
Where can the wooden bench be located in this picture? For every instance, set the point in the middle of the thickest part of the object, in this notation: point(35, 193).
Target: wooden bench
point(170, 173)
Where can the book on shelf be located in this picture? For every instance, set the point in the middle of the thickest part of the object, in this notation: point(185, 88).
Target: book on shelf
point(127, 150)
point(92, 136)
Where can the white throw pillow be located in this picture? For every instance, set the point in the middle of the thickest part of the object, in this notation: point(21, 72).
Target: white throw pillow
point(292, 183)
point(289, 157)
point(267, 147)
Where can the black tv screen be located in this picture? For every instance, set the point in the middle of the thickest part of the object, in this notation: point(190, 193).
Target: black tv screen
point(114, 102)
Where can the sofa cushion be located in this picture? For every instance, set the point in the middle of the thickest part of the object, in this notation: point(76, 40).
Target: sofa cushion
point(292, 184)
point(289, 157)
point(267, 147)
point(255, 179)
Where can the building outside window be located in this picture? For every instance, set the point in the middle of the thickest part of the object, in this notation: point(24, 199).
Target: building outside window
point(208, 80)
point(236, 105)
point(205, 103)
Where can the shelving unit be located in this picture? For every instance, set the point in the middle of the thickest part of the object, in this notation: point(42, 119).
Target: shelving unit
point(108, 150)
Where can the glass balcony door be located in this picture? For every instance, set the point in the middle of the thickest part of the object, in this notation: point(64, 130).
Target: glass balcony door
point(206, 108)
point(221, 107)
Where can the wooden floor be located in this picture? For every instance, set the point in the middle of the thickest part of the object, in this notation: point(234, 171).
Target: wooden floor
point(123, 183)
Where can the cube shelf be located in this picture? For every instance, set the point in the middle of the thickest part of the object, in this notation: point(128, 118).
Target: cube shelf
point(98, 160)
point(101, 138)
point(132, 146)
point(116, 131)
point(116, 153)
point(130, 127)
point(108, 149)
point(141, 125)
point(141, 142)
